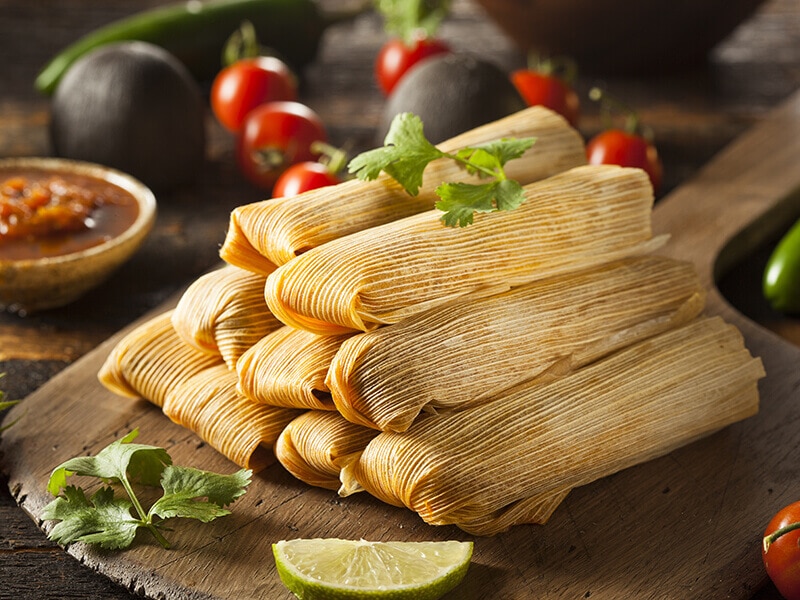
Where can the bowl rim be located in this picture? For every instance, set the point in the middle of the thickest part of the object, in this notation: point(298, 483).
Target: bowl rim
point(143, 195)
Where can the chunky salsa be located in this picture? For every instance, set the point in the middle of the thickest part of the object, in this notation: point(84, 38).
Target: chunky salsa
point(45, 213)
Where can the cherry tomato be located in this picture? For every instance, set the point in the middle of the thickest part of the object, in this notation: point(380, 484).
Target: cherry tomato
point(782, 558)
point(248, 83)
point(274, 137)
point(617, 147)
point(396, 57)
point(541, 89)
point(302, 177)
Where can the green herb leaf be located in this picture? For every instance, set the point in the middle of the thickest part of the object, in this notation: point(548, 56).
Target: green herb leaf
point(108, 521)
point(460, 201)
point(407, 153)
point(198, 494)
point(104, 520)
point(115, 461)
point(404, 157)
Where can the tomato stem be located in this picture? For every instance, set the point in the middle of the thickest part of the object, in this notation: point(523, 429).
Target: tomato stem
point(768, 540)
point(609, 103)
point(562, 67)
point(332, 157)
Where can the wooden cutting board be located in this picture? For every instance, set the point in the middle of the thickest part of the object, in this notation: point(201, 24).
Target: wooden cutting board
point(687, 525)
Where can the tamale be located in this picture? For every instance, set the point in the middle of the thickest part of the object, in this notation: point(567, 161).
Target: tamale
point(272, 232)
point(288, 368)
point(469, 351)
point(240, 430)
point(574, 220)
point(150, 360)
point(316, 445)
point(224, 312)
point(498, 464)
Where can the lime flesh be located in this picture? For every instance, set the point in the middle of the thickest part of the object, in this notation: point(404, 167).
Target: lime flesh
point(334, 569)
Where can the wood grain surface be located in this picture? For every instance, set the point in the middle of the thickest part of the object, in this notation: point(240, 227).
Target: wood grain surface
point(718, 493)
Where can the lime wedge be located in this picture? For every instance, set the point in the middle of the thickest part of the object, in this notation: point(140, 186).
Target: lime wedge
point(332, 569)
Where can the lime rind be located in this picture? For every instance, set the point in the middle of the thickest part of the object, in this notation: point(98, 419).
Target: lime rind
point(334, 569)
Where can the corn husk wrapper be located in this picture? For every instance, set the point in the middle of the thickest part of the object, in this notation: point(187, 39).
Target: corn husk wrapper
point(469, 351)
point(316, 445)
point(498, 464)
point(150, 360)
point(269, 233)
point(584, 217)
point(242, 431)
point(288, 368)
point(224, 312)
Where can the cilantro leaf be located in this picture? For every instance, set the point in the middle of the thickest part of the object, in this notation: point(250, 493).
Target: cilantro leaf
point(508, 195)
point(115, 461)
point(108, 521)
point(407, 153)
point(104, 520)
point(507, 149)
point(404, 156)
point(185, 487)
point(460, 201)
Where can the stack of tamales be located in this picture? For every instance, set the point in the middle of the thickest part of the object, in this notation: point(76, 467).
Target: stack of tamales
point(474, 375)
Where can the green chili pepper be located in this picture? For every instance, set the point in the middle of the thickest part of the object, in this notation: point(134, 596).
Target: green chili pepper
point(781, 283)
point(196, 31)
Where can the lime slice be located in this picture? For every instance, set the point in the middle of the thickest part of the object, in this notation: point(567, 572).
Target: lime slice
point(331, 569)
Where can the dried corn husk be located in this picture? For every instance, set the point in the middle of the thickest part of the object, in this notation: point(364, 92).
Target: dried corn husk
point(272, 232)
point(316, 445)
point(471, 350)
point(151, 360)
point(584, 217)
point(242, 431)
point(494, 465)
point(288, 368)
point(224, 312)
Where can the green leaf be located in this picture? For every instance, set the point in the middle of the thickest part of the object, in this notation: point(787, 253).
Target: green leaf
point(460, 201)
point(404, 157)
point(115, 461)
point(197, 494)
point(507, 149)
point(509, 195)
point(104, 520)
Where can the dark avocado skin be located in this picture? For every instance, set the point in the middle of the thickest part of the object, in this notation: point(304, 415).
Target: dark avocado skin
point(134, 107)
point(452, 93)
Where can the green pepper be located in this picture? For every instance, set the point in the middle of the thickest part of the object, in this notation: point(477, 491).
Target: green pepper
point(196, 31)
point(781, 284)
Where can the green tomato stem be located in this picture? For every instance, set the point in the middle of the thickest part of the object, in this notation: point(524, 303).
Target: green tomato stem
point(768, 540)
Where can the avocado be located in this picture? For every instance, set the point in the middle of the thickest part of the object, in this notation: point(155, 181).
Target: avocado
point(134, 107)
point(451, 93)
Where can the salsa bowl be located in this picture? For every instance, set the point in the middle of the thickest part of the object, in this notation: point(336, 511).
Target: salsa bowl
point(65, 226)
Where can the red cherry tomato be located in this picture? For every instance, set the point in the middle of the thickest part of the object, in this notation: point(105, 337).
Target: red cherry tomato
point(303, 177)
point(540, 89)
point(782, 558)
point(617, 147)
point(396, 58)
point(274, 137)
point(248, 83)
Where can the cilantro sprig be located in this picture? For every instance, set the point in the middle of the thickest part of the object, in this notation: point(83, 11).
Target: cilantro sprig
point(406, 153)
point(108, 521)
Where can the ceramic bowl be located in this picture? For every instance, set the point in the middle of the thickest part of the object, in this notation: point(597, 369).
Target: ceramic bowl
point(609, 37)
point(29, 285)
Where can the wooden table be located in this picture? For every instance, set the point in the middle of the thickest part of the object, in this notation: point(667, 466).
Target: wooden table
point(694, 114)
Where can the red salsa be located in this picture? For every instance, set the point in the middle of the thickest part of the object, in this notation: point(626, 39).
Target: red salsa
point(46, 213)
